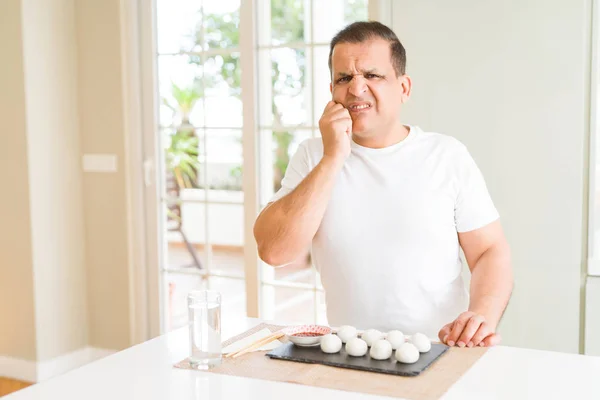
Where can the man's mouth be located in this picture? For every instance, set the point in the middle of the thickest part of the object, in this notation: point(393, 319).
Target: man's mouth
point(357, 107)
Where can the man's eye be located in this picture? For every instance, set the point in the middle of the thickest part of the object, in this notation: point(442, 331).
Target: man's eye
point(371, 76)
point(344, 79)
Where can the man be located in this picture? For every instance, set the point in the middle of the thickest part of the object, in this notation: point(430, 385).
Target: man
point(386, 208)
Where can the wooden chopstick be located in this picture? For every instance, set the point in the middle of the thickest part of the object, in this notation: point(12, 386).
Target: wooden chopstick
point(260, 344)
point(251, 344)
point(256, 344)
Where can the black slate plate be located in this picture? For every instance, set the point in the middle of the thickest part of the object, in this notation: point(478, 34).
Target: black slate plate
point(314, 355)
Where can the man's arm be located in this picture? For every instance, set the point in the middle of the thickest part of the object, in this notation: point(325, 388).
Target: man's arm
point(285, 228)
point(488, 256)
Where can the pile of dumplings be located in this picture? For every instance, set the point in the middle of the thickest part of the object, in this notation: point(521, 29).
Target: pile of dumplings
point(382, 345)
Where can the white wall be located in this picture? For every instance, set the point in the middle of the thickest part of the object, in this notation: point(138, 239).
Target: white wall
point(100, 94)
point(16, 263)
point(55, 177)
point(507, 78)
point(61, 95)
point(592, 319)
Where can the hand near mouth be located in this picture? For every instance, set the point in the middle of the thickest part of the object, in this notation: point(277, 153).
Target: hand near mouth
point(336, 130)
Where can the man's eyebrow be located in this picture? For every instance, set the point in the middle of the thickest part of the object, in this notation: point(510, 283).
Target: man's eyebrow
point(342, 75)
point(362, 72)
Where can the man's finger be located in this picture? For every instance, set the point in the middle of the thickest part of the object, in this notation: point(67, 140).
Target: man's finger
point(483, 332)
point(341, 114)
point(459, 325)
point(444, 332)
point(492, 340)
point(329, 105)
point(470, 329)
point(333, 108)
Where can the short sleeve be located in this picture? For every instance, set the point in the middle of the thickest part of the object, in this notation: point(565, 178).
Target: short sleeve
point(297, 170)
point(474, 207)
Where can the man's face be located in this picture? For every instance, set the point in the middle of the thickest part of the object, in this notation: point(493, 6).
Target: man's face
point(364, 82)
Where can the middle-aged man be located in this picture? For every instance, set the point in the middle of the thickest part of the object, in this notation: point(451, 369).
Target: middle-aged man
point(385, 208)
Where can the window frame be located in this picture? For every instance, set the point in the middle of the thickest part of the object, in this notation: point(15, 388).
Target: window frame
point(593, 257)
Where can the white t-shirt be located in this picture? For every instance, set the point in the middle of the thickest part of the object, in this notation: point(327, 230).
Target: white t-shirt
point(387, 248)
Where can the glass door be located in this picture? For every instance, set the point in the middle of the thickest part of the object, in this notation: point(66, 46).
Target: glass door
point(238, 85)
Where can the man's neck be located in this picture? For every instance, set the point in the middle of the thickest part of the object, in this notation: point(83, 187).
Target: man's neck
point(394, 136)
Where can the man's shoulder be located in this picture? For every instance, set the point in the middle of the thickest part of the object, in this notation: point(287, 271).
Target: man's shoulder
point(441, 140)
point(443, 144)
point(312, 146)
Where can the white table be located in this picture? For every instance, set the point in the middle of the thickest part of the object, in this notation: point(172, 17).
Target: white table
point(146, 372)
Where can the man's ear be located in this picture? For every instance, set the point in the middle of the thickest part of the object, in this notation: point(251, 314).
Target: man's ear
point(330, 87)
point(406, 88)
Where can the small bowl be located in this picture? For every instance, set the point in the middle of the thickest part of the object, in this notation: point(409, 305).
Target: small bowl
point(306, 335)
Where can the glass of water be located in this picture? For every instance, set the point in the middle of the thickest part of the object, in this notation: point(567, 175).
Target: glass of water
point(204, 308)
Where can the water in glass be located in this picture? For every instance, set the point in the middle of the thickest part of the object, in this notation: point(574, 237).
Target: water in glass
point(205, 328)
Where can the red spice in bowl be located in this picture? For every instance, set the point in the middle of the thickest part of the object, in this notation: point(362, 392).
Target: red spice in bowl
point(306, 335)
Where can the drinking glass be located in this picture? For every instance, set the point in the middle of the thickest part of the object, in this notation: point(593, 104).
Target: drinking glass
point(204, 308)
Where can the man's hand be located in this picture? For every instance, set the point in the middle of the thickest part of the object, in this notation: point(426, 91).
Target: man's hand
point(336, 130)
point(470, 330)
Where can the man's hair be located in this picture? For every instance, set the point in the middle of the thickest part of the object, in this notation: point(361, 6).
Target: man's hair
point(362, 31)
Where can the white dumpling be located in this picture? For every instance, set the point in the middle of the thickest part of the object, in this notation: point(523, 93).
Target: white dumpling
point(331, 344)
point(371, 335)
point(356, 347)
point(381, 350)
point(346, 333)
point(396, 339)
point(407, 354)
point(421, 342)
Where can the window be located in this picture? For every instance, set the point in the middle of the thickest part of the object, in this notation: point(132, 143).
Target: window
point(199, 57)
point(292, 53)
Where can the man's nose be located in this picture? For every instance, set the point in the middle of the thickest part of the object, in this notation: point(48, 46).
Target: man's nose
point(358, 86)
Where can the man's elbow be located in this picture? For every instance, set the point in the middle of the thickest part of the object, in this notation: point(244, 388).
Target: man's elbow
point(271, 257)
point(270, 250)
point(267, 257)
point(265, 249)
